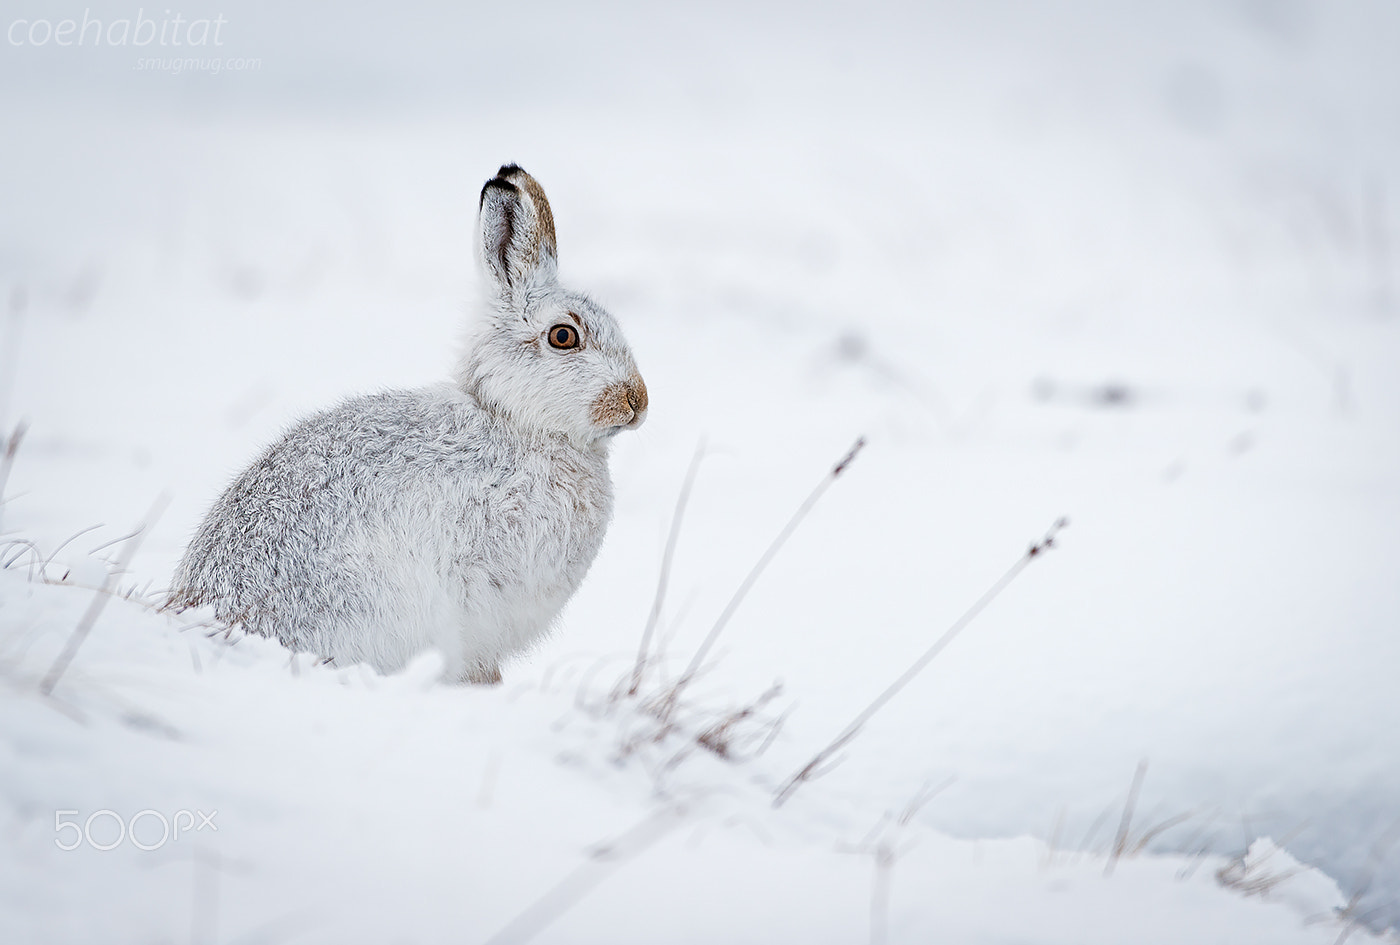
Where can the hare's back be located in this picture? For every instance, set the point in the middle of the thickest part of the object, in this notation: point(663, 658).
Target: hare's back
point(331, 479)
point(395, 434)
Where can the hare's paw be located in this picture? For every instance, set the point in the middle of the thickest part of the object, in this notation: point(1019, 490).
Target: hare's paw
point(482, 676)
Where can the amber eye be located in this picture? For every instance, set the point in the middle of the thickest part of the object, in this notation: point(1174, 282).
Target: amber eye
point(563, 336)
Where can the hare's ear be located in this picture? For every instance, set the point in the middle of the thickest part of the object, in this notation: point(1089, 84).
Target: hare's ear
point(516, 236)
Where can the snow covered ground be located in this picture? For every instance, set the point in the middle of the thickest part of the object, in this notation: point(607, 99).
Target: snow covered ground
point(1139, 266)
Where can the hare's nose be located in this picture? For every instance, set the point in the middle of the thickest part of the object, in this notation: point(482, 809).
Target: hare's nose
point(637, 396)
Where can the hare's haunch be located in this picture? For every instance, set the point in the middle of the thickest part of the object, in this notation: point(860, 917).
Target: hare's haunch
point(460, 516)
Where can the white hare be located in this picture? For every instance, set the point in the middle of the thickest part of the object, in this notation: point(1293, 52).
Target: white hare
point(461, 516)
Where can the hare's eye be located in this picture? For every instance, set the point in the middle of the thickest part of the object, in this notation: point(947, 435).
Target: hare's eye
point(563, 336)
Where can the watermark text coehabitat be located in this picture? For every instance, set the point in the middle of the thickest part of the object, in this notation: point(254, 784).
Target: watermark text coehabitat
point(106, 829)
point(123, 31)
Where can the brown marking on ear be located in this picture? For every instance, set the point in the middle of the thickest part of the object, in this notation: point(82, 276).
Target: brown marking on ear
point(544, 216)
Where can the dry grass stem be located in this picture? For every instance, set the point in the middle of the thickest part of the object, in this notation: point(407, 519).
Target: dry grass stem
point(1351, 914)
point(7, 462)
point(604, 859)
point(667, 705)
point(99, 600)
point(724, 737)
point(665, 576)
point(1120, 843)
point(882, 844)
point(819, 761)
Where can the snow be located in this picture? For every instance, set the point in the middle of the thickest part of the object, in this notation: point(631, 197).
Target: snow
point(346, 806)
point(1133, 265)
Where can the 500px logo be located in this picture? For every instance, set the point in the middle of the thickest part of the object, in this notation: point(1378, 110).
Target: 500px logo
point(169, 31)
point(182, 821)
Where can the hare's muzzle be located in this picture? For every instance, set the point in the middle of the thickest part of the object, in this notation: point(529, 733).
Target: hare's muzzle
point(623, 404)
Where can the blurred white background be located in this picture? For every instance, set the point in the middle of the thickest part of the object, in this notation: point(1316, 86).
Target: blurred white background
point(1136, 263)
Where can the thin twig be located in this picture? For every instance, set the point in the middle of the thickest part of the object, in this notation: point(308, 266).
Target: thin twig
point(604, 860)
point(668, 704)
point(1120, 844)
point(665, 577)
point(1052, 843)
point(1152, 833)
point(43, 567)
point(816, 764)
point(115, 541)
point(20, 546)
point(926, 794)
point(9, 350)
point(1362, 886)
point(99, 600)
point(882, 844)
point(719, 737)
point(8, 460)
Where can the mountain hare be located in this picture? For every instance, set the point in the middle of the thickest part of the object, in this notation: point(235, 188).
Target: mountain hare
point(461, 516)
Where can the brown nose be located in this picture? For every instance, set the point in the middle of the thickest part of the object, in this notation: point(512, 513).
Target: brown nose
point(637, 395)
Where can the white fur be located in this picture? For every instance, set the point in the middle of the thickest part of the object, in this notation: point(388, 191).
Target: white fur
point(460, 516)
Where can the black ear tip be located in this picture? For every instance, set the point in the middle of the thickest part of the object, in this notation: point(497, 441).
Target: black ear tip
point(498, 184)
point(509, 169)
